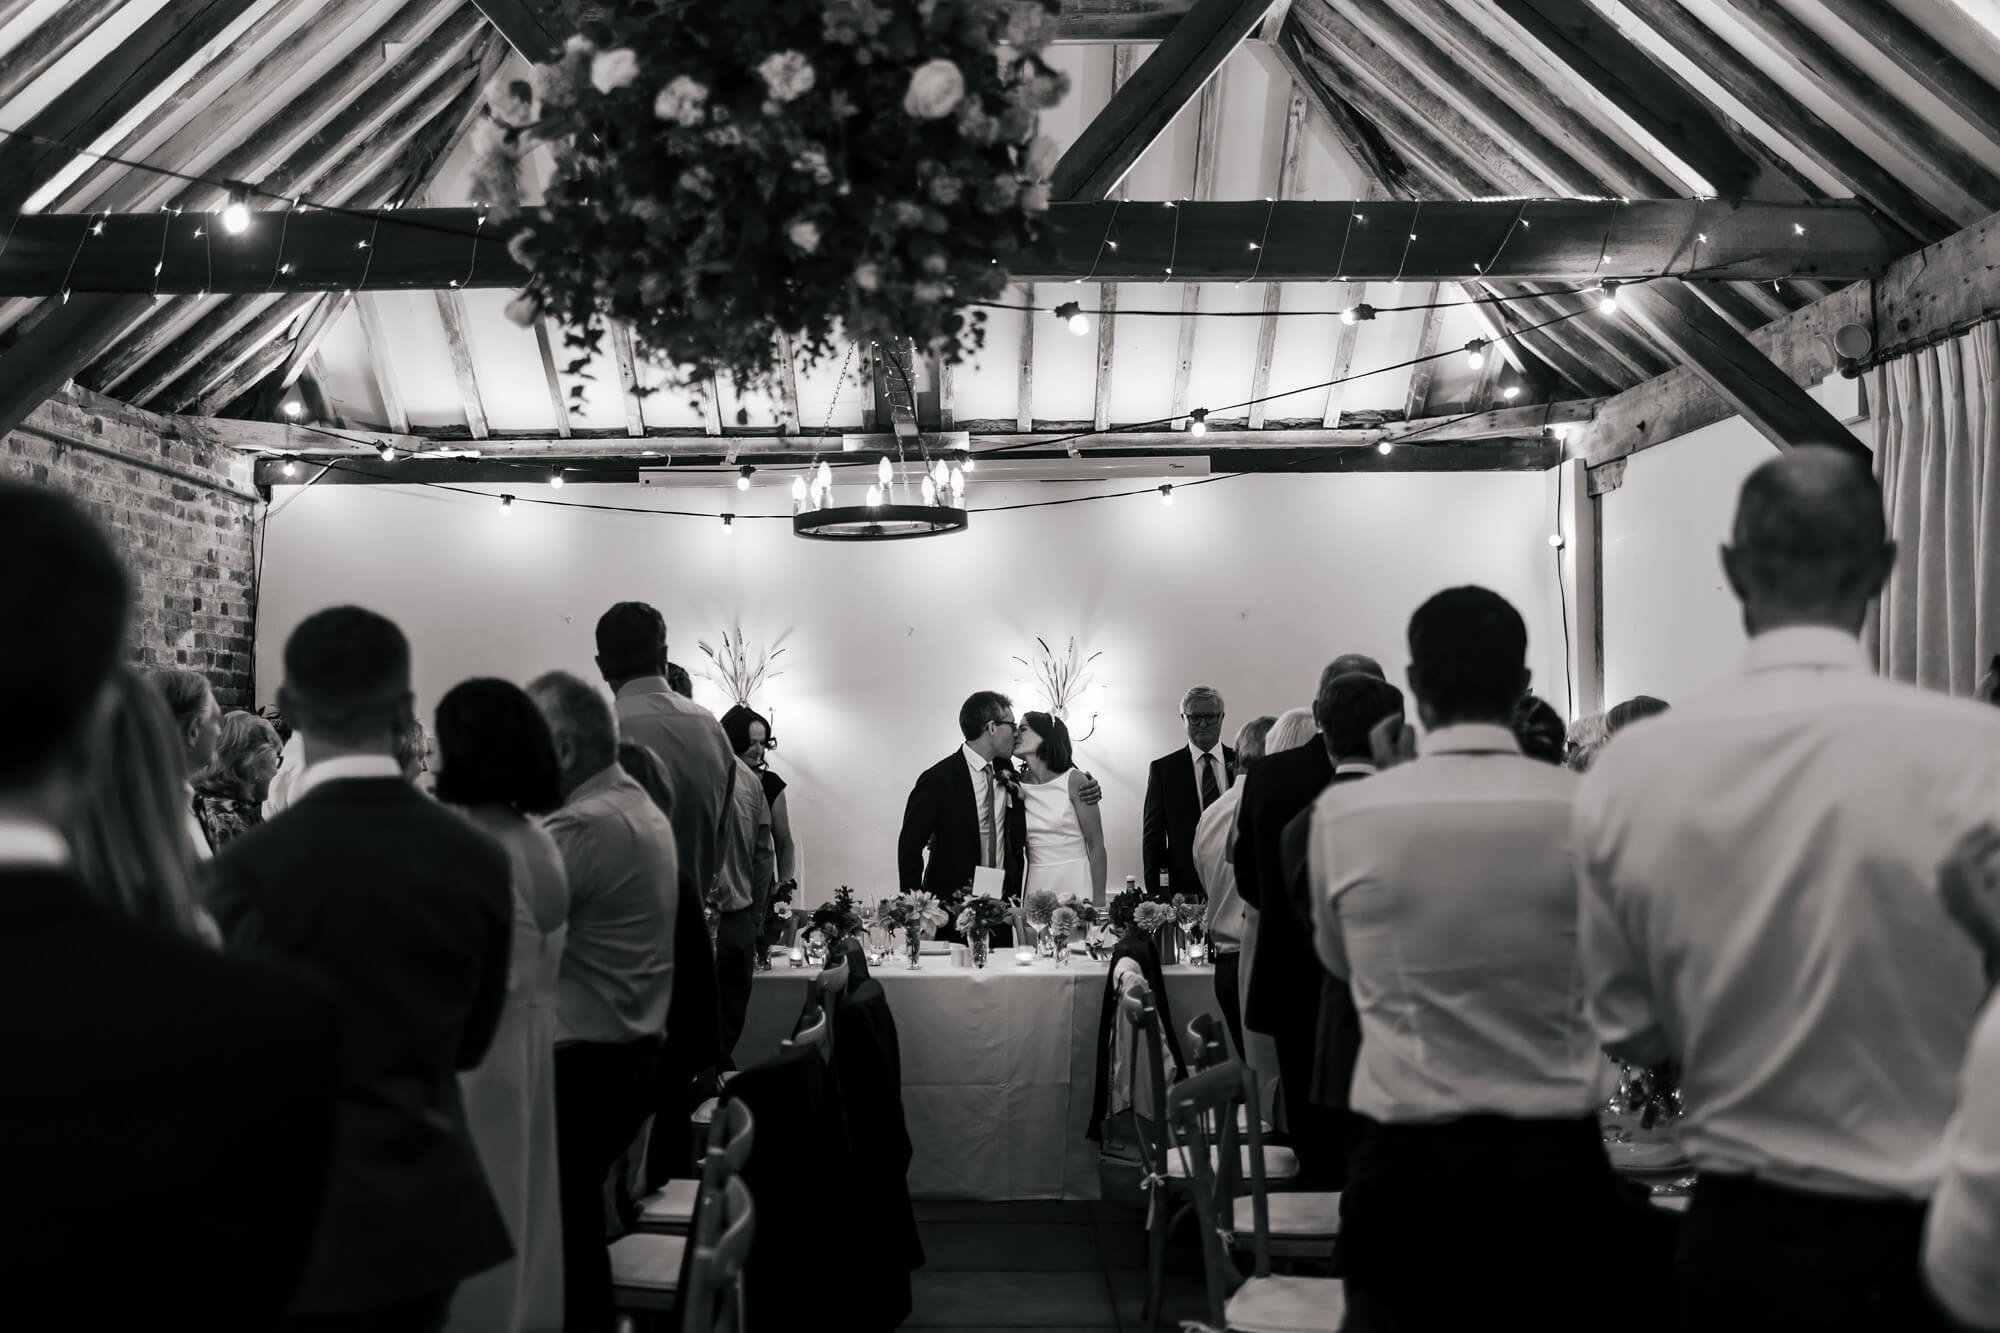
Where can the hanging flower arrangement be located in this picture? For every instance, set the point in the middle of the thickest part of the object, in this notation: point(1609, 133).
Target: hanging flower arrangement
point(823, 169)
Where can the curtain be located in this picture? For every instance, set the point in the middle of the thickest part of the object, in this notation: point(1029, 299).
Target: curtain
point(1937, 450)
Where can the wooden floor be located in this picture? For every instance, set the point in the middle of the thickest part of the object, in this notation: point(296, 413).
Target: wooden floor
point(1052, 1266)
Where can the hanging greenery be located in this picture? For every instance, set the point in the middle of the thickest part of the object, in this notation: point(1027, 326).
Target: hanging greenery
point(823, 169)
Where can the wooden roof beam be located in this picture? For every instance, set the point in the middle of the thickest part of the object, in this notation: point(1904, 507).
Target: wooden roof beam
point(1290, 146)
point(1923, 58)
point(1107, 292)
point(1119, 20)
point(1460, 241)
point(1139, 111)
point(1965, 189)
point(534, 28)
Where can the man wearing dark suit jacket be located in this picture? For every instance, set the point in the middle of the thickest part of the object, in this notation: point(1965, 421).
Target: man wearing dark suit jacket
point(1352, 706)
point(139, 1065)
point(403, 910)
point(965, 811)
point(1284, 993)
point(1181, 785)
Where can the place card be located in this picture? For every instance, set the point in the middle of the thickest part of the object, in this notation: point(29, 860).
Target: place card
point(988, 881)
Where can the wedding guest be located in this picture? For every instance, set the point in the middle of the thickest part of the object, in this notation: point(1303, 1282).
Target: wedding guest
point(1214, 837)
point(693, 1048)
point(403, 910)
point(1962, 1227)
point(291, 767)
point(198, 720)
point(1636, 709)
point(750, 736)
point(743, 885)
point(1443, 891)
point(229, 796)
point(616, 981)
point(125, 827)
point(1352, 707)
point(632, 657)
point(413, 752)
point(1539, 729)
point(1759, 906)
point(103, 998)
point(679, 681)
point(497, 767)
point(1283, 998)
point(1179, 787)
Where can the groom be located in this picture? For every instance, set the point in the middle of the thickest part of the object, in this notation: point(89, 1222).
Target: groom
point(966, 809)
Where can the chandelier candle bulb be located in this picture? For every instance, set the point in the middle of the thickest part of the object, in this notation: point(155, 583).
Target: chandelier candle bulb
point(874, 497)
point(957, 482)
point(823, 478)
point(930, 490)
point(798, 490)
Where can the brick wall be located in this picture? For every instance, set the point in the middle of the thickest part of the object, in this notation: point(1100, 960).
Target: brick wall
point(182, 514)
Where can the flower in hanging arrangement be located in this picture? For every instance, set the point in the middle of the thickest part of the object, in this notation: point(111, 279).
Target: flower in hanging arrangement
point(787, 76)
point(868, 277)
point(804, 234)
point(523, 309)
point(936, 89)
point(612, 70)
point(682, 102)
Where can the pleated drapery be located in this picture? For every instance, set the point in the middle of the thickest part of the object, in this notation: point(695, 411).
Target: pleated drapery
point(1937, 451)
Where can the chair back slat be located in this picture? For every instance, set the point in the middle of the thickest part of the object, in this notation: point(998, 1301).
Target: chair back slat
point(815, 1035)
point(722, 1241)
point(1136, 1009)
point(832, 983)
point(1205, 1114)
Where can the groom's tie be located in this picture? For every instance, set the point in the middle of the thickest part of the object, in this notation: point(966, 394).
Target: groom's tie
point(1210, 793)
point(987, 855)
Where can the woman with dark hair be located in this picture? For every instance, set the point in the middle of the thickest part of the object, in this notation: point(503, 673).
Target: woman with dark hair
point(497, 766)
point(1540, 730)
point(1065, 834)
point(750, 737)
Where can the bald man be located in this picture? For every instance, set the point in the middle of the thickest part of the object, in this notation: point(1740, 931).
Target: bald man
point(1759, 906)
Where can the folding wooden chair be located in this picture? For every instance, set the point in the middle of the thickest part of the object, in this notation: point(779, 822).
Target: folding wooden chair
point(670, 1210)
point(1263, 1303)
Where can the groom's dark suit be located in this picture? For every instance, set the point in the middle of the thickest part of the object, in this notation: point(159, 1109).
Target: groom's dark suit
point(943, 815)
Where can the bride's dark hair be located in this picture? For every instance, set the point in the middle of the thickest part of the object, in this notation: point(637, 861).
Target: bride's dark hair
point(1056, 751)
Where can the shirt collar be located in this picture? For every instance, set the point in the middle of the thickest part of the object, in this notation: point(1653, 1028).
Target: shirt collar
point(1360, 766)
point(343, 768)
point(604, 779)
point(1806, 647)
point(645, 685)
point(31, 842)
point(1472, 738)
point(1220, 764)
point(977, 760)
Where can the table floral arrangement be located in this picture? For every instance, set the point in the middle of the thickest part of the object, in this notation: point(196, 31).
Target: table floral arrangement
point(1037, 907)
point(729, 177)
point(1188, 910)
point(918, 916)
point(831, 923)
point(976, 921)
point(1063, 922)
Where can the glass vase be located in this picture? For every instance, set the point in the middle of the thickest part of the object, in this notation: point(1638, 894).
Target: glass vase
point(913, 945)
point(982, 945)
point(1061, 943)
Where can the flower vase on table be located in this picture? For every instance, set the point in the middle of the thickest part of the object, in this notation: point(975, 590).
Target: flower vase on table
point(1063, 922)
point(918, 916)
point(1039, 907)
point(977, 920)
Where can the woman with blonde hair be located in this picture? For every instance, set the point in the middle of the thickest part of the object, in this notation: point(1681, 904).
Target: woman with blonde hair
point(1293, 728)
point(128, 833)
point(229, 795)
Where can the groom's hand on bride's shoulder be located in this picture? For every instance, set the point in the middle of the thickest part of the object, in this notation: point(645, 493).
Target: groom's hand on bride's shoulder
point(1088, 791)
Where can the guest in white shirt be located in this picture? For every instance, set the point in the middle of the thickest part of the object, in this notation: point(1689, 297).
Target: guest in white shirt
point(1214, 849)
point(199, 721)
point(1443, 890)
point(616, 981)
point(1962, 1229)
point(1760, 906)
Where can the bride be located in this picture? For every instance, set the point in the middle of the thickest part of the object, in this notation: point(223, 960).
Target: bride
point(1065, 835)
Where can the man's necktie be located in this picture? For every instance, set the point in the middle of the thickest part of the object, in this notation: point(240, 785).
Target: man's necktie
point(989, 854)
point(1210, 793)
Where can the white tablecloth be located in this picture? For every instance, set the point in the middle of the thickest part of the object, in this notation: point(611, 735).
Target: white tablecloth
point(998, 1066)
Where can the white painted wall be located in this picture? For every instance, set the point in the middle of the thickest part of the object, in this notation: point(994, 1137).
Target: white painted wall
point(1671, 625)
point(1250, 584)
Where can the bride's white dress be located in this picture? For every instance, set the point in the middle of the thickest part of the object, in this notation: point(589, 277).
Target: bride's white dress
point(1057, 858)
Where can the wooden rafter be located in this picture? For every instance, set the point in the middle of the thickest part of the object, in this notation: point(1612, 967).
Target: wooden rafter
point(558, 400)
point(228, 376)
point(1024, 399)
point(1119, 20)
point(222, 323)
point(1107, 292)
point(1291, 146)
point(1921, 56)
point(1137, 113)
point(1208, 125)
point(533, 28)
point(947, 411)
point(1965, 188)
point(1425, 371)
point(51, 39)
point(788, 384)
point(628, 377)
point(152, 57)
point(1811, 136)
point(375, 338)
point(1585, 41)
point(451, 313)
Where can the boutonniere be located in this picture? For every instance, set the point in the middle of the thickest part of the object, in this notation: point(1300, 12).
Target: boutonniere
point(1010, 778)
